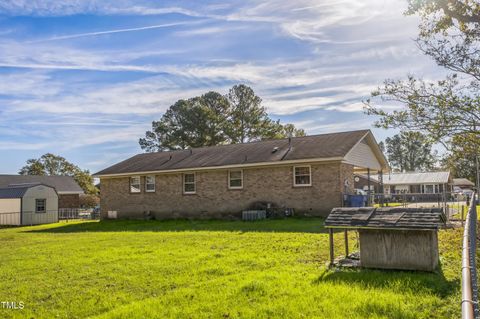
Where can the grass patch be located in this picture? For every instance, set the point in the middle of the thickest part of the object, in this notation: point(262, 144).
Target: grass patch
point(210, 269)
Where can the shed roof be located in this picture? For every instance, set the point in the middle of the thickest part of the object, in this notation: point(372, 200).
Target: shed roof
point(324, 146)
point(462, 182)
point(386, 218)
point(62, 184)
point(19, 191)
point(416, 178)
point(13, 192)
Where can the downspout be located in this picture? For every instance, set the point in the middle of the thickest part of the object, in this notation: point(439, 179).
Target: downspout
point(368, 192)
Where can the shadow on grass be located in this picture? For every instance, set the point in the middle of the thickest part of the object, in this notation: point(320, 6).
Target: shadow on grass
point(395, 280)
point(290, 225)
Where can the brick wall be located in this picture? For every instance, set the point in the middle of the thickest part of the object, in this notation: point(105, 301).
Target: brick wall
point(213, 199)
point(69, 201)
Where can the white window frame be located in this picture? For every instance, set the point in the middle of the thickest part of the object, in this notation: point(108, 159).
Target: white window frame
point(194, 183)
point(309, 174)
point(147, 183)
point(44, 206)
point(230, 179)
point(139, 184)
point(425, 188)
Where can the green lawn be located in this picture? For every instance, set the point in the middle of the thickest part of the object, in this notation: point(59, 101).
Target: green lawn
point(458, 208)
point(209, 269)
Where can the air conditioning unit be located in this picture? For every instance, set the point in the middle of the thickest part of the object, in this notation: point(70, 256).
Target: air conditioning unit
point(254, 214)
point(112, 214)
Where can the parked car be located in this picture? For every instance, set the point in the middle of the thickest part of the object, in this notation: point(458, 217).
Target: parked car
point(359, 191)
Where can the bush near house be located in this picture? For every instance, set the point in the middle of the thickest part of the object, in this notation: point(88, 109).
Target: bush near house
point(210, 269)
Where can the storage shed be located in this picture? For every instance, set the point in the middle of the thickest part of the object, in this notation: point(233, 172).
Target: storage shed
point(28, 205)
point(392, 238)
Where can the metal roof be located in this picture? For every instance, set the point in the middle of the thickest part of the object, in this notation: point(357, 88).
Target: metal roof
point(324, 146)
point(416, 178)
point(386, 218)
point(13, 192)
point(62, 184)
point(462, 182)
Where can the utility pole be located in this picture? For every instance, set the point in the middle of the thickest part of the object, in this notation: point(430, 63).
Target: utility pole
point(478, 172)
point(477, 163)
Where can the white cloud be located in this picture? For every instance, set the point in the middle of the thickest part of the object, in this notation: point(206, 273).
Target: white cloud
point(22, 146)
point(30, 83)
point(318, 127)
point(349, 107)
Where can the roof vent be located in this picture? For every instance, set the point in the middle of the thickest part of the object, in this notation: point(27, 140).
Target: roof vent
point(275, 149)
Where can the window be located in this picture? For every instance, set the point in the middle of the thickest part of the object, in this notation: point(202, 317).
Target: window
point(302, 176)
point(189, 183)
point(135, 184)
point(150, 184)
point(430, 189)
point(40, 206)
point(235, 179)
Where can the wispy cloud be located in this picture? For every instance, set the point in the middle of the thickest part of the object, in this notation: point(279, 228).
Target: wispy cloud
point(47, 8)
point(97, 33)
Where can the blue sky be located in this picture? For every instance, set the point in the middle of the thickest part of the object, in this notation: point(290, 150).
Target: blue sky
point(84, 79)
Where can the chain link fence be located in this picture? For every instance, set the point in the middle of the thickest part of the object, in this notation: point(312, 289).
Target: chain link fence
point(470, 307)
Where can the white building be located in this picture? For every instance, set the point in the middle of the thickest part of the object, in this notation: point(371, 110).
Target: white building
point(417, 183)
point(28, 205)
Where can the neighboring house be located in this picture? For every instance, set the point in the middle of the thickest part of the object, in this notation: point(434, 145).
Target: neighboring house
point(417, 183)
point(462, 183)
point(28, 205)
point(309, 174)
point(67, 188)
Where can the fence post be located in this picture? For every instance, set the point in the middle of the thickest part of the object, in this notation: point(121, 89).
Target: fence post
point(330, 235)
point(346, 243)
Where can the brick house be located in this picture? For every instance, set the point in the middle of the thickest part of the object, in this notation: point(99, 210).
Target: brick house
point(309, 174)
point(66, 187)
